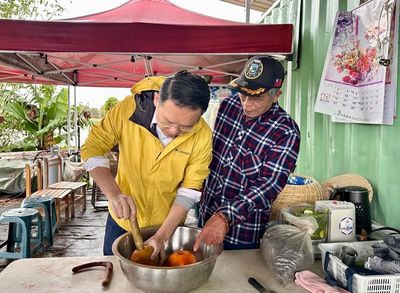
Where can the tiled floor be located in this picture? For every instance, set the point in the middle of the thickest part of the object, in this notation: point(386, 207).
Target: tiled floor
point(80, 236)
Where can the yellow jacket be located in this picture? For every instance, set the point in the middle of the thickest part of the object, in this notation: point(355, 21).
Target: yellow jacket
point(147, 171)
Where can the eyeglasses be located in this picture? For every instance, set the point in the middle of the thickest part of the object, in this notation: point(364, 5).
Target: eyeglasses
point(167, 125)
point(183, 129)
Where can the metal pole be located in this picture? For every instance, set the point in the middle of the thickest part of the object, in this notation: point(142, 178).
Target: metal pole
point(288, 86)
point(75, 77)
point(247, 7)
point(79, 137)
point(75, 121)
point(69, 121)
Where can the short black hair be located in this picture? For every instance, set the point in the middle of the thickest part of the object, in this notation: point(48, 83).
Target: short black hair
point(186, 89)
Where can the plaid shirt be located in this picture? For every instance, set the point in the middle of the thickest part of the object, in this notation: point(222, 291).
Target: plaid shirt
point(251, 163)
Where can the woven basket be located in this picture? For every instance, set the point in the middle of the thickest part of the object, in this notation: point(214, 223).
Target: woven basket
point(296, 194)
point(346, 180)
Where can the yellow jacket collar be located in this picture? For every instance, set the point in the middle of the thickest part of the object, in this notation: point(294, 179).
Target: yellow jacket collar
point(153, 83)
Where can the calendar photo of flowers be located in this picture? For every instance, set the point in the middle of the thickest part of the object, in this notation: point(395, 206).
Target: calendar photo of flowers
point(356, 65)
point(356, 51)
point(357, 85)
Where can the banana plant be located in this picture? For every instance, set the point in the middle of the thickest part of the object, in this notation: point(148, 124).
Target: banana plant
point(40, 116)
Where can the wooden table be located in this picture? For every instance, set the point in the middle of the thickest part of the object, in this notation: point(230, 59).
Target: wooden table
point(72, 187)
point(230, 275)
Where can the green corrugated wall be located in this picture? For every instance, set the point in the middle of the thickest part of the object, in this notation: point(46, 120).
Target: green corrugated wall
point(329, 149)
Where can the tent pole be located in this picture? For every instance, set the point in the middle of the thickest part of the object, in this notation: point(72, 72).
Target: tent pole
point(75, 121)
point(69, 121)
point(288, 86)
point(247, 7)
point(148, 67)
point(75, 77)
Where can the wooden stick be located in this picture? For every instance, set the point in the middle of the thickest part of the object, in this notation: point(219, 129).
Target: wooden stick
point(108, 273)
point(137, 237)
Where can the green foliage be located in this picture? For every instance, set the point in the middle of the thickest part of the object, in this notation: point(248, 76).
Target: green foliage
point(27, 145)
point(11, 129)
point(109, 103)
point(95, 112)
point(30, 9)
point(17, 134)
point(84, 115)
point(33, 114)
point(38, 116)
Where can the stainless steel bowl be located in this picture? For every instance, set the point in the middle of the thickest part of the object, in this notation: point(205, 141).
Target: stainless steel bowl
point(168, 279)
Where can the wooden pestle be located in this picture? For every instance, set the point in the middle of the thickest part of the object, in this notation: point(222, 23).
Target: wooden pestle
point(137, 236)
point(142, 254)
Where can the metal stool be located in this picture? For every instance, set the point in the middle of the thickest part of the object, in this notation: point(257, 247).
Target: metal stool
point(48, 204)
point(21, 221)
point(98, 199)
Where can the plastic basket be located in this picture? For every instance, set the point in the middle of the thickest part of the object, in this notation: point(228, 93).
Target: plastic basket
point(360, 284)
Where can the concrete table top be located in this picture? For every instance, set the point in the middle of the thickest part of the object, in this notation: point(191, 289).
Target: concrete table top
point(231, 272)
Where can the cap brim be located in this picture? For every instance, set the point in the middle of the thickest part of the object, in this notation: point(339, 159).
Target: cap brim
point(236, 83)
point(246, 88)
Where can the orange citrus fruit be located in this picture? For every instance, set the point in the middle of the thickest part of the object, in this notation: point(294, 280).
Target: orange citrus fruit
point(180, 258)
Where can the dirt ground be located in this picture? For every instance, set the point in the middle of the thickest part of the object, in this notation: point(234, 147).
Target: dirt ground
point(79, 236)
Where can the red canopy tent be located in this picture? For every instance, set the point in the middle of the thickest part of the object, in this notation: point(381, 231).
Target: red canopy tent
point(117, 47)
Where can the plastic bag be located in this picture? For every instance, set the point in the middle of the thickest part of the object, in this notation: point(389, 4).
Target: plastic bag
point(73, 171)
point(303, 216)
point(306, 223)
point(286, 249)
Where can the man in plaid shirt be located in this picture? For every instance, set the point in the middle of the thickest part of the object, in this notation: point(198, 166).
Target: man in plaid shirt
point(255, 148)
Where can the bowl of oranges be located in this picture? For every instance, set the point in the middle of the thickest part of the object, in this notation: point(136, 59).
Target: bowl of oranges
point(183, 270)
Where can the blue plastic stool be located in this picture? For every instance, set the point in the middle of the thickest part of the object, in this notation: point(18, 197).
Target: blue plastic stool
point(48, 204)
point(21, 221)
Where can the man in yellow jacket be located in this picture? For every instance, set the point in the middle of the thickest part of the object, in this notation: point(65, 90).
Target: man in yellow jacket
point(164, 153)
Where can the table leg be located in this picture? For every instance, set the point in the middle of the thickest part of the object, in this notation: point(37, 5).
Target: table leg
point(67, 203)
point(84, 198)
point(58, 211)
point(73, 204)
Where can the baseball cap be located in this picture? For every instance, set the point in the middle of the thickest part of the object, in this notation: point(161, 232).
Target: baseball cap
point(259, 75)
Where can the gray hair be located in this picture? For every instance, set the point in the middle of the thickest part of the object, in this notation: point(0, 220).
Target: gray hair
point(272, 92)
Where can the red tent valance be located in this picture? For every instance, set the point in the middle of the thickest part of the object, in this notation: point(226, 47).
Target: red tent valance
point(141, 37)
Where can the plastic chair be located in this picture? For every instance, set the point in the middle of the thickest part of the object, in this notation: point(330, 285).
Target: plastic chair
point(20, 242)
point(48, 204)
